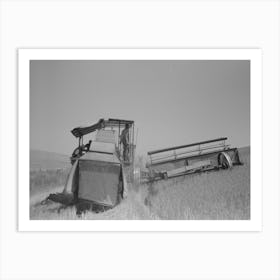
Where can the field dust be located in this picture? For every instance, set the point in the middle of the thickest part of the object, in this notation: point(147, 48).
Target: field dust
point(219, 195)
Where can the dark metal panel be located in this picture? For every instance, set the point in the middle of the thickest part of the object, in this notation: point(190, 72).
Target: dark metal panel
point(99, 182)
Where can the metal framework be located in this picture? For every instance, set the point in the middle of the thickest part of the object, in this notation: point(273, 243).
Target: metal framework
point(81, 131)
point(187, 159)
point(116, 124)
point(181, 152)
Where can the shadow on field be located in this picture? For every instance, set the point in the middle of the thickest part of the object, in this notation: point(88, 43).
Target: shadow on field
point(152, 191)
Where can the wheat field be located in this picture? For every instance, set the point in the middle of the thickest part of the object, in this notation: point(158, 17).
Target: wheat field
point(218, 195)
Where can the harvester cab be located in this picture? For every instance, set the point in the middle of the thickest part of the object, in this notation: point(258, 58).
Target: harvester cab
point(114, 131)
point(101, 168)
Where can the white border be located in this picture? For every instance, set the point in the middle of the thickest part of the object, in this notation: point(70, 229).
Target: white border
point(24, 57)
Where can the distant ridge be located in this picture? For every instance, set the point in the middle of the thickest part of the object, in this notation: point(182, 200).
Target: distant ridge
point(48, 160)
point(244, 149)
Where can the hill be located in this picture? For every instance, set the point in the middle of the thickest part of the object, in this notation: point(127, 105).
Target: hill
point(48, 160)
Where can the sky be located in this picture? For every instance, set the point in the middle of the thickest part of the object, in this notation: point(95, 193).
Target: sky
point(172, 102)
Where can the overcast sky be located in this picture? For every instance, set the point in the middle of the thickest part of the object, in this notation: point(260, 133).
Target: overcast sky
point(171, 102)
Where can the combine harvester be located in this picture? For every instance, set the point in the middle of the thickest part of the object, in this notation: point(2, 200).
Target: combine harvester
point(101, 168)
point(188, 159)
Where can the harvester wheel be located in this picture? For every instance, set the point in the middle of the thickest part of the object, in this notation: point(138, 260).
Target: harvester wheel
point(224, 160)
